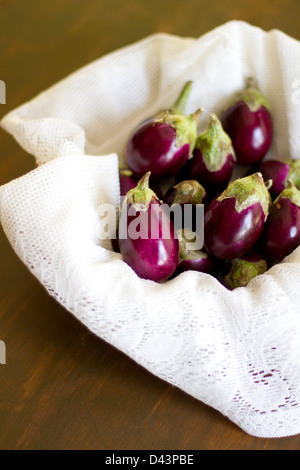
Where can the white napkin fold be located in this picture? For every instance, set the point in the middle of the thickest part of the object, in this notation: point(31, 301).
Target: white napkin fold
point(238, 351)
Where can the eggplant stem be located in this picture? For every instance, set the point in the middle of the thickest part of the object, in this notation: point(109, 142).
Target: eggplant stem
point(180, 104)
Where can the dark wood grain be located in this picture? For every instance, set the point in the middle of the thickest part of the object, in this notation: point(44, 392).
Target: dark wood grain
point(63, 388)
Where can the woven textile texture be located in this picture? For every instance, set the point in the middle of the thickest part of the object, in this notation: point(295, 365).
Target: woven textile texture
point(238, 351)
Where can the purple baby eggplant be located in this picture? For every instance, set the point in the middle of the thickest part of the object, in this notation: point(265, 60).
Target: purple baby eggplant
point(240, 271)
point(194, 259)
point(234, 221)
point(281, 234)
point(163, 144)
point(277, 172)
point(148, 242)
point(248, 122)
point(280, 172)
point(127, 182)
point(213, 158)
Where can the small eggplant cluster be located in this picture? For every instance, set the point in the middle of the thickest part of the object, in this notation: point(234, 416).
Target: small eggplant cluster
point(249, 223)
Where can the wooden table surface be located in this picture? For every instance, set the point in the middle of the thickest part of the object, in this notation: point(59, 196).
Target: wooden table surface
point(62, 387)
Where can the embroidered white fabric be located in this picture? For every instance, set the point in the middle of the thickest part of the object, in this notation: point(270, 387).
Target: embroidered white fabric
point(239, 351)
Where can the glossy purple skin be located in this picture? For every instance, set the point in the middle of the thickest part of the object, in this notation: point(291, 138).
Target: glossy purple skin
point(204, 265)
point(281, 234)
point(154, 258)
point(213, 181)
point(253, 256)
point(152, 147)
point(251, 132)
point(230, 234)
point(275, 171)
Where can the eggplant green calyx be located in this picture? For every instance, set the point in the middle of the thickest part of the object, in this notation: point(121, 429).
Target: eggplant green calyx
point(252, 96)
point(185, 126)
point(290, 192)
point(248, 191)
point(243, 271)
point(215, 145)
point(186, 237)
point(140, 196)
point(189, 192)
point(294, 171)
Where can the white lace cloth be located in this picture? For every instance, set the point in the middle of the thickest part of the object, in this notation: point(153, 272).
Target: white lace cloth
point(239, 351)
